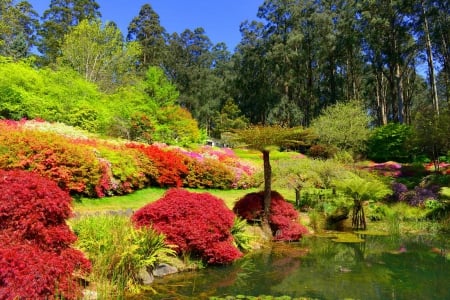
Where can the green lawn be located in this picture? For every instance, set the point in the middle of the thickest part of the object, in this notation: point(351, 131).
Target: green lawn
point(139, 198)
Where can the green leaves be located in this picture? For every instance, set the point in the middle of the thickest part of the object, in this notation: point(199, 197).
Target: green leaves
point(344, 125)
point(99, 54)
point(266, 138)
point(390, 142)
point(362, 189)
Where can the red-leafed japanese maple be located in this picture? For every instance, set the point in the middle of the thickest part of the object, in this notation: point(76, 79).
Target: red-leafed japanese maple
point(36, 260)
point(283, 218)
point(197, 223)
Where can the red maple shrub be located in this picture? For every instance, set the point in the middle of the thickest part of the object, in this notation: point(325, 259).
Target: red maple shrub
point(36, 260)
point(197, 223)
point(28, 272)
point(283, 218)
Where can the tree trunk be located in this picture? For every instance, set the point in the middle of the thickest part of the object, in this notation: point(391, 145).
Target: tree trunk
point(297, 197)
point(267, 192)
point(381, 99)
point(267, 183)
point(434, 96)
point(400, 99)
point(358, 218)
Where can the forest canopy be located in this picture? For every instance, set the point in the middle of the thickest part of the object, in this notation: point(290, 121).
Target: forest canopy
point(294, 61)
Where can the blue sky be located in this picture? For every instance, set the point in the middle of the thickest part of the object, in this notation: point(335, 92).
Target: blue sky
point(219, 18)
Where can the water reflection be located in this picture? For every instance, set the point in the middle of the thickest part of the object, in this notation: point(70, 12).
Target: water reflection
point(415, 267)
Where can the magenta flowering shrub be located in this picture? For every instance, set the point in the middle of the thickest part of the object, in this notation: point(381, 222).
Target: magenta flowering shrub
point(199, 224)
point(389, 168)
point(283, 218)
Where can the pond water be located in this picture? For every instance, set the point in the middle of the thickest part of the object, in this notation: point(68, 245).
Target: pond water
point(382, 267)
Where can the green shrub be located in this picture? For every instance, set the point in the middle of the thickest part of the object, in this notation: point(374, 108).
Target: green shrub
point(390, 142)
point(124, 169)
point(241, 238)
point(118, 251)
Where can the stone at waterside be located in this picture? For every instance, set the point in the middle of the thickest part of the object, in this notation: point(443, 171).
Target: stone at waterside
point(162, 270)
point(147, 275)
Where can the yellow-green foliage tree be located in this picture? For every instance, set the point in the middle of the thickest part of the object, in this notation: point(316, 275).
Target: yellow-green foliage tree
point(99, 54)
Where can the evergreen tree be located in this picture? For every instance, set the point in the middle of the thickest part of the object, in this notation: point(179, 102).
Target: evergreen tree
point(18, 28)
point(58, 20)
point(147, 30)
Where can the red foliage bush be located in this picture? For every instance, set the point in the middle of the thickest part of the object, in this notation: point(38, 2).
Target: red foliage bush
point(35, 255)
point(171, 169)
point(198, 224)
point(283, 218)
point(28, 272)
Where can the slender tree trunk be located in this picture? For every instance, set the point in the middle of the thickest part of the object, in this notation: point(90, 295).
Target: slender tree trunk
point(267, 193)
point(267, 183)
point(434, 96)
point(297, 197)
point(400, 98)
point(381, 99)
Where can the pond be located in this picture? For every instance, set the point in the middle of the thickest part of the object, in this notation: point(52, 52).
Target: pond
point(381, 267)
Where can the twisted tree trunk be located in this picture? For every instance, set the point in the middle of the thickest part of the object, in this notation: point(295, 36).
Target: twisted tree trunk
point(358, 218)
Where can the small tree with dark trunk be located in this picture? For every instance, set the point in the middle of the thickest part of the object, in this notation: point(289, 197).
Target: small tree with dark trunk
point(266, 139)
point(360, 190)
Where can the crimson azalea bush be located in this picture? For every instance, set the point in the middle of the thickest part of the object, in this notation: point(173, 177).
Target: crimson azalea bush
point(283, 218)
point(169, 163)
point(36, 260)
point(199, 224)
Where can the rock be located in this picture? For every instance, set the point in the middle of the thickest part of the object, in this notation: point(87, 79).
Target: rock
point(163, 270)
point(146, 276)
point(336, 220)
point(344, 269)
point(90, 295)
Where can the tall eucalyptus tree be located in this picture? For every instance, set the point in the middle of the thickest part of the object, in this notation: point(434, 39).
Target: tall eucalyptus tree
point(147, 30)
point(18, 28)
point(254, 91)
point(391, 51)
point(199, 69)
